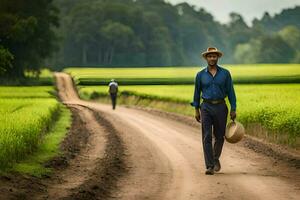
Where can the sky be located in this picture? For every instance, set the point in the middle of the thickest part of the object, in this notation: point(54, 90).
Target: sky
point(220, 9)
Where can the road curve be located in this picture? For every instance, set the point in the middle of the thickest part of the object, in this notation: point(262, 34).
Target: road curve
point(165, 159)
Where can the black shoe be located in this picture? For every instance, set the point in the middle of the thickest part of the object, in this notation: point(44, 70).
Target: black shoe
point(210, 171)
point(217, 166)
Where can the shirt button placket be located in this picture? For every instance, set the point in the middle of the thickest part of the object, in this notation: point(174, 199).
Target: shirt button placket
point(213, 84)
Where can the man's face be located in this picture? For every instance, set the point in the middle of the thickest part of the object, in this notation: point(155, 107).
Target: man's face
point(212, 59)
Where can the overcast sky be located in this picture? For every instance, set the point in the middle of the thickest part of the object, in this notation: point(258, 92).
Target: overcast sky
point(249, 9)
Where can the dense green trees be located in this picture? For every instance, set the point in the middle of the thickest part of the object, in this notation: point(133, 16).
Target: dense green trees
point(272, 39)
point(135, 33)
point(280, 47)
point(6, 59)
point(266, 49)
point(26, 37)
point(156, 33)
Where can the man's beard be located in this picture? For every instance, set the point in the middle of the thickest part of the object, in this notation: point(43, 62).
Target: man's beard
point(214, 63)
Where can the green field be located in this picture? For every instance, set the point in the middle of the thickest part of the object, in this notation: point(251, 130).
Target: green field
point(27, 92)
point(258, 73)
point(275, 106)
point(26, 113)
point(45, 78)
point(48, 147)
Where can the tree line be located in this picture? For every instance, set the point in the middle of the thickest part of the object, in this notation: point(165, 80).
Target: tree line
point(135, 33)
point(27, 36)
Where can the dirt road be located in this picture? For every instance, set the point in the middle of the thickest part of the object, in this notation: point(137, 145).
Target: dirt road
point(135, 154)
point(164, 159)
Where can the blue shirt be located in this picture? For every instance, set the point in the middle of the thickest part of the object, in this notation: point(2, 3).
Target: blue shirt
point(213, 88)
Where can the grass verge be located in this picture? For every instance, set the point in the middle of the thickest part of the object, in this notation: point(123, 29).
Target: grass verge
point(261, 130)
point(47, 149)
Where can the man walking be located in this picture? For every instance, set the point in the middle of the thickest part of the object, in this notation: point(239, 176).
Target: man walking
point(215, 83)
point(113, 91)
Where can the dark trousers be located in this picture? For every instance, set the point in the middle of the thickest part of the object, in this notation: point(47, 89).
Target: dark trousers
point(213, 115)
point(113, 97)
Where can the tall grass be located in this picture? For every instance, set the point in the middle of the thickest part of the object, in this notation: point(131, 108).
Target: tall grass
point(48, 147)
point(26, 113)
point(274, 106)
point(22, 123)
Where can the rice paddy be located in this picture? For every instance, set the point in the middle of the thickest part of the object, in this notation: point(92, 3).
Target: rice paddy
point(26, 113)
point(258, 73)
point(274, 106)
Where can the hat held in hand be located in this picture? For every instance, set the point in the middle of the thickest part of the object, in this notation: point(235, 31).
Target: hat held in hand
point(235, 132)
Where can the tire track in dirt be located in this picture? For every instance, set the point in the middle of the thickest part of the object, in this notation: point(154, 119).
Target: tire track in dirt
point(130, 154)
point(93, 158)
point(169, 164)
point(92, 161)
point(80, 168)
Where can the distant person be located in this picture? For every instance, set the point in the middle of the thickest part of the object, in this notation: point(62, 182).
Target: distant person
point(113, 91)
point(215, 83)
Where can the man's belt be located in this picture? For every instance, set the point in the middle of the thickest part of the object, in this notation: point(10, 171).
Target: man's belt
point(215, 101)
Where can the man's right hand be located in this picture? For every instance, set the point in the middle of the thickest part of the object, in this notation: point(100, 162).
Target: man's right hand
point(197, 115)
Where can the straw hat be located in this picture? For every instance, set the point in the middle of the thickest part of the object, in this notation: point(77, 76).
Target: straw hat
point(235, 132)
point(212, 50)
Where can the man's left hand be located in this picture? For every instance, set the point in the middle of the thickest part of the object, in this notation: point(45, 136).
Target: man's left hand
point(232, 115)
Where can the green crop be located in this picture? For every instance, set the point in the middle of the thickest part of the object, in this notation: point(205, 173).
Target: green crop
point(274, 106)
point(26, 113)
point(256, 73)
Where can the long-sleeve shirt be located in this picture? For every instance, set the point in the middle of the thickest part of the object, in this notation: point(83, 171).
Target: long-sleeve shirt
point(218, 87)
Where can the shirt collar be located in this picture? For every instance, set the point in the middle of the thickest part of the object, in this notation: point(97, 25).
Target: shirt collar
point(206, 68)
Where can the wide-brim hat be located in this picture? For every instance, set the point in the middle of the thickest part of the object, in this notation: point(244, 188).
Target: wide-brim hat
point(235, 132)
point(212, 50)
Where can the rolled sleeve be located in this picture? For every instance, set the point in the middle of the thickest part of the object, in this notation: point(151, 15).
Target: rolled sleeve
point(197, 92)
